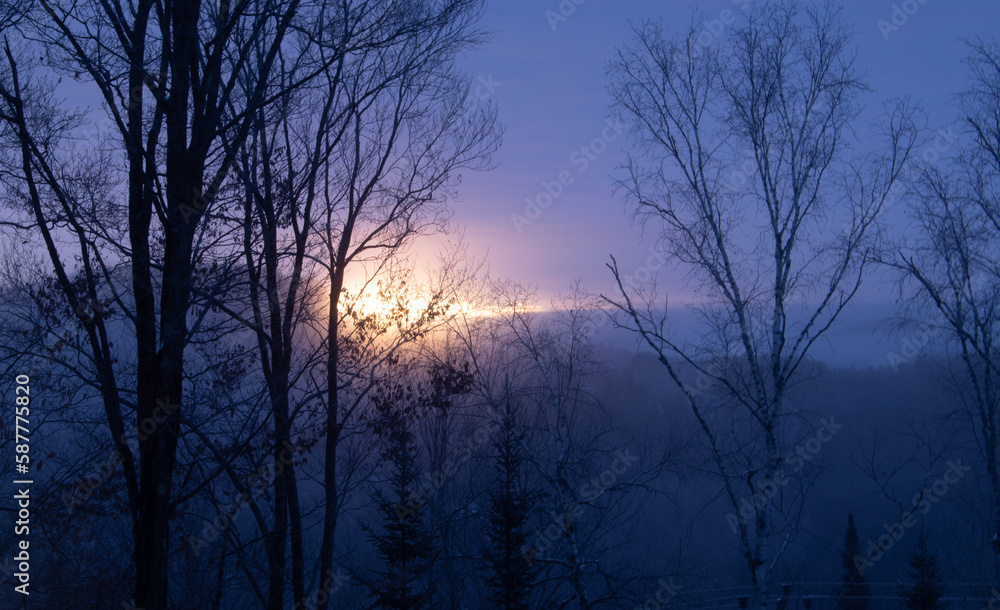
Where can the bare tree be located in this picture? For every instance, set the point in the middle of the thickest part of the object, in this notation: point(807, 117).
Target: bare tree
point(388, 181)
point(741, 167)
point(282, 167)
point(165, 75)
point(588, 473)
point(951, 265)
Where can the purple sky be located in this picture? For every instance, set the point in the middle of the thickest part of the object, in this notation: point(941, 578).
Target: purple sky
point(547, 76)
point(550, 89)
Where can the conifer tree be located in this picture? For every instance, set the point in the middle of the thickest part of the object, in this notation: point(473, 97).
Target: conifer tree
point(511, 576)
point(405, 545)
point(925, 589)
point(853, 593)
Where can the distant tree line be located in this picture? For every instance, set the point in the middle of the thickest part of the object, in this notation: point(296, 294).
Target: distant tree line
point(252, 398)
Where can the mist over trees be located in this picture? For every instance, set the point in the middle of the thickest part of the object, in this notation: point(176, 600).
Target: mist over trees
point(246, 394)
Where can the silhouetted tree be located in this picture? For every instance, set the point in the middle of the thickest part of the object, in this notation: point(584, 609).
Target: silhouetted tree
point(511, 576)
point(590, 473)
point(388, 181)
point(925, 589)
point(166, 75)
point(948, 264)
point(753, 131)
point(853, 593)
point(404, 544)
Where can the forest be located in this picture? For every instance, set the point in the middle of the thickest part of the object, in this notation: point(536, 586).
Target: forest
point(250, 357)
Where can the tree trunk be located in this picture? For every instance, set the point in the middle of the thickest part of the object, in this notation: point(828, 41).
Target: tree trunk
point(332, 436)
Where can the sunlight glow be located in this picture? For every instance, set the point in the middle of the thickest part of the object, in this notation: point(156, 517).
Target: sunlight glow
point(371, 303)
